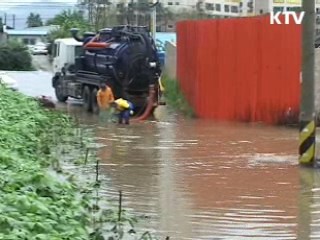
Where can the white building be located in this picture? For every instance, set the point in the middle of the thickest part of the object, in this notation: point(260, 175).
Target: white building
point(247, 7)
point(262, 7)
point(30, 36)
point(266, 6)
point(216, 8)
point(220, 8)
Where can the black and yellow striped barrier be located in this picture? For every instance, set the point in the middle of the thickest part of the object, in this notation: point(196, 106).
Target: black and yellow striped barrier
point(307, 145)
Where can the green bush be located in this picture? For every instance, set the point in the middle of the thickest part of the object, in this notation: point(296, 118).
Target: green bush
point(15, 56)
point(175, 98)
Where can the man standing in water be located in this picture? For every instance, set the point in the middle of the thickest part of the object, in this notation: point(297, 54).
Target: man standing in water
point(104, 99)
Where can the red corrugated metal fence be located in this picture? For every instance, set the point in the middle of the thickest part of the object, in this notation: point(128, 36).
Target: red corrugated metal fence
point(240, 69)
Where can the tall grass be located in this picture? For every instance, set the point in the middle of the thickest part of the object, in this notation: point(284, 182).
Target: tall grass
point(175, 98)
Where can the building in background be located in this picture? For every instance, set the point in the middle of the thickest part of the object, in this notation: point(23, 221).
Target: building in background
point(247, 8)
point(262, 7)
point(219, 8)
point(30, 36)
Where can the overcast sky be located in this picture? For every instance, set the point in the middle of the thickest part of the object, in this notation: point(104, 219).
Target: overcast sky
point(22, 8)
point(15, 2)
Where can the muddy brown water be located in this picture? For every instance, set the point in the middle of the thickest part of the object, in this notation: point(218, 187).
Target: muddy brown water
point(199, 179)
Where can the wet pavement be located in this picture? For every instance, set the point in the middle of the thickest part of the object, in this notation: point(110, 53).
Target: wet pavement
point(42, 62)
point(198, 179)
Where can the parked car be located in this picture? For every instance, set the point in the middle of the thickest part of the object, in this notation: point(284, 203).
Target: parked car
point(39, 49)
point(8, 81)
point(30, 47)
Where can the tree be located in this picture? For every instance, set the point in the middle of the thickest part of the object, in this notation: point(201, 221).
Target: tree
point(200, 9)
point(1, 25)
point(67, 20)
point(187, 15)
point(122, 14)
point(143, 12)
point(34, 20)
point(15, 56)
point(164, 15)
point(97, 11)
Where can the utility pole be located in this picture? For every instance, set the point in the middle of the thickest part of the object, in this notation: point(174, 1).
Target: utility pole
point(154, 22)
point(14, 21)
point(307, 108)
point(154, 18)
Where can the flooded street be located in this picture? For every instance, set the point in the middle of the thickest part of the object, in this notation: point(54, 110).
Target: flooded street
point(198, 179)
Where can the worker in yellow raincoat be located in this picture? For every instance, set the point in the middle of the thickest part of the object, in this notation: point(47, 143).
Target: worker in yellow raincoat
point(124, 108)
point(104, 99)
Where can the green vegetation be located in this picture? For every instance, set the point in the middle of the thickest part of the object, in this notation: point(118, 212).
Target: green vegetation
point(67, 20)
point(34, 20)
point(39, 197)
point(33, 203)
point(15, 56)
point(175, 98)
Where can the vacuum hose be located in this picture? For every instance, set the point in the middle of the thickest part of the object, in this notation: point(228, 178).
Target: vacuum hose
point(150, 106)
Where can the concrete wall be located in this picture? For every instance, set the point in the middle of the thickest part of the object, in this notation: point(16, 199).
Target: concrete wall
point(170, 66)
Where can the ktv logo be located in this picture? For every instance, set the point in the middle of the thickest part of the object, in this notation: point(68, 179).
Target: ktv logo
point(290, 16)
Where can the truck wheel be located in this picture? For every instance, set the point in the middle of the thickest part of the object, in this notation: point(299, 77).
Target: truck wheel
point(95, 107)
point(87, 103)
point(59, 92)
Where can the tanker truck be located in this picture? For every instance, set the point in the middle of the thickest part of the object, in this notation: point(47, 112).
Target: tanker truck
point(123, 57)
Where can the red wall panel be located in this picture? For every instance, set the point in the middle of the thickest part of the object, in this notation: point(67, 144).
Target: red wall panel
point(240, 69)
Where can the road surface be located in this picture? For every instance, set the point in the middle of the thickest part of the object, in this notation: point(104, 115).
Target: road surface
point(41, 62)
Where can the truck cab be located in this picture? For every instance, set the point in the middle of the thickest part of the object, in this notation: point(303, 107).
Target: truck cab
point(64, 52)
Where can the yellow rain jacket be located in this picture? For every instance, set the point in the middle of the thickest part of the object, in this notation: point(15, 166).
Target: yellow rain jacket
point(122, 104)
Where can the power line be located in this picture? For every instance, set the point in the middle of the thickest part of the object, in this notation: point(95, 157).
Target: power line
point(76, 5)
point(31, 5)
point(53, 4)
point(32, 2)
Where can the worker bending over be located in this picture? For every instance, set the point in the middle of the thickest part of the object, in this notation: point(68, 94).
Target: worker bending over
point(104, 99)
point(125, 109)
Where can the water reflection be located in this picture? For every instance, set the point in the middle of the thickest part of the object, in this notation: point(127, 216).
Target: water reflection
point(236, 194)
point(309, 204)
point(202, 180)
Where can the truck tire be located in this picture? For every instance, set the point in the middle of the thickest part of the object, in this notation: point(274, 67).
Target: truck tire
point(59, 91)
point(95, 107)
point(87, 99)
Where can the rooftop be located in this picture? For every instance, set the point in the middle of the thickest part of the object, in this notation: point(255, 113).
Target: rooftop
point(69, 41)
point(40, 31)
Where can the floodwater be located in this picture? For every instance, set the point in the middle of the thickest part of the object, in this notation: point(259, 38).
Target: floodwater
point(199, 179)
